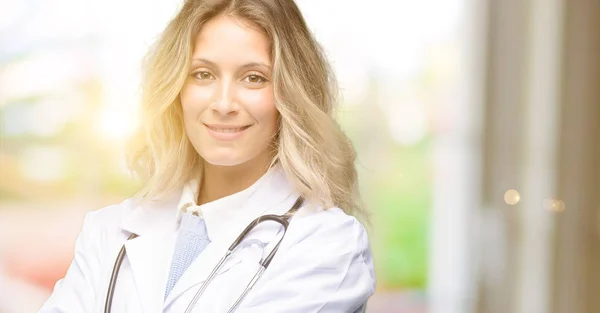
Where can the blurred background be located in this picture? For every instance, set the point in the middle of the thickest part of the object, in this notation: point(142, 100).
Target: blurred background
point(475, 122)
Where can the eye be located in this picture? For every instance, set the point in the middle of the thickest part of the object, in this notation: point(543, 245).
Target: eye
point(203, 75)
point(255, 79)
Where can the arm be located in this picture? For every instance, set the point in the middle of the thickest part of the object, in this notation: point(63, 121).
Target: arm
point(75, 293)
point(330, 271)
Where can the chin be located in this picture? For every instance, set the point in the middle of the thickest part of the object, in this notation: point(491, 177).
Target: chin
point(220, 160)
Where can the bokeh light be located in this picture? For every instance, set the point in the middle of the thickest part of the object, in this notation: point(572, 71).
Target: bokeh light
point(512, 197)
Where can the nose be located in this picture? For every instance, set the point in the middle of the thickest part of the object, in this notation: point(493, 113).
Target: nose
point(224, 102)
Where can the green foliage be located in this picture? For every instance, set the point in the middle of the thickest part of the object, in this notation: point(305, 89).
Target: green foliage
point(401, 201)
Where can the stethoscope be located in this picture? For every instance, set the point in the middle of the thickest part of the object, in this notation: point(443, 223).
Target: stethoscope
point(284, 220)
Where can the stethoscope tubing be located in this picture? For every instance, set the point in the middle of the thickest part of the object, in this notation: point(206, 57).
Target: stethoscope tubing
point(113, 277)
point(281, 219)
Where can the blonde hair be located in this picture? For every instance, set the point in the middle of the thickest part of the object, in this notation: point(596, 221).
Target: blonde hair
point(310, 147)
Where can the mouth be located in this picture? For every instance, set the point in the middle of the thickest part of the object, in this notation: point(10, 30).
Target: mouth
point(226, 128)
point(226, 132)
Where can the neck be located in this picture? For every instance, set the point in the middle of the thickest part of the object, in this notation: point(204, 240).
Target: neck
point(221, 181)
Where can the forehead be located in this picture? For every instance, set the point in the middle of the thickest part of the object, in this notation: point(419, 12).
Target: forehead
point(231, 38)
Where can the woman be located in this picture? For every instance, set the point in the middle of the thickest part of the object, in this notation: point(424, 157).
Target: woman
point(237, 103)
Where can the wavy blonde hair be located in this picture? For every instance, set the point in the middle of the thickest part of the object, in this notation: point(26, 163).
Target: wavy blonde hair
point(310, 146)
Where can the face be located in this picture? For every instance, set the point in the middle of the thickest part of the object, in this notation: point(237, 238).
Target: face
point(228, 103)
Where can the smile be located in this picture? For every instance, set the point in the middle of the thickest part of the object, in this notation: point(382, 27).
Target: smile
point(225, 132)
point(228, 130)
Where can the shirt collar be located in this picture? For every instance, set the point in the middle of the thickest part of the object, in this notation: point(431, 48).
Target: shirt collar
point(217, 212)
point(189, 195)
point(265, 195)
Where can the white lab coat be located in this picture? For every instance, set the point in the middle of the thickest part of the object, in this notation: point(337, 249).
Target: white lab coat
point(323, 265)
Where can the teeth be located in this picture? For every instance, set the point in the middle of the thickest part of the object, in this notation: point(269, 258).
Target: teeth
point(228, 130)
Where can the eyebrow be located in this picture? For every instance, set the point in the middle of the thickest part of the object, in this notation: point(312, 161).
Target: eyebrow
point(245, 66)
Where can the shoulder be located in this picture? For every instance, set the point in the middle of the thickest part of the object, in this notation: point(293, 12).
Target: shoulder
point(333, 244)
point(103, 225)
point(111, 214)
point(334, 232)
point(331, 224)
point(325, 265)
point(132, 215)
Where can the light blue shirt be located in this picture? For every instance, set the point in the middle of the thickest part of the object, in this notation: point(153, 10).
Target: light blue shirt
point(191, 241)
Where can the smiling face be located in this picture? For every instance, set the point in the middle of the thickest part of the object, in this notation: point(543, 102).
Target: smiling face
point(227, 100)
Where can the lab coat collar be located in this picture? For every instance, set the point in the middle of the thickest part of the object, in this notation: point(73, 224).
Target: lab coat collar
point(163, 215)
point(274, 196)
point(150, 216)
point(155, 222)
point(149, 255)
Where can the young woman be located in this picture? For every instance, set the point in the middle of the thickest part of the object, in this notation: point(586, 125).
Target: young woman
point(237, 124)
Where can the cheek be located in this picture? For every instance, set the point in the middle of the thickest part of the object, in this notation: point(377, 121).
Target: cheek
point(194, 100)
point(261, 105)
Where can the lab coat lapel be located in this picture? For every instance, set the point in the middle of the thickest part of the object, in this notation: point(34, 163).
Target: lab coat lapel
point(149, 255)
point(268, 199)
